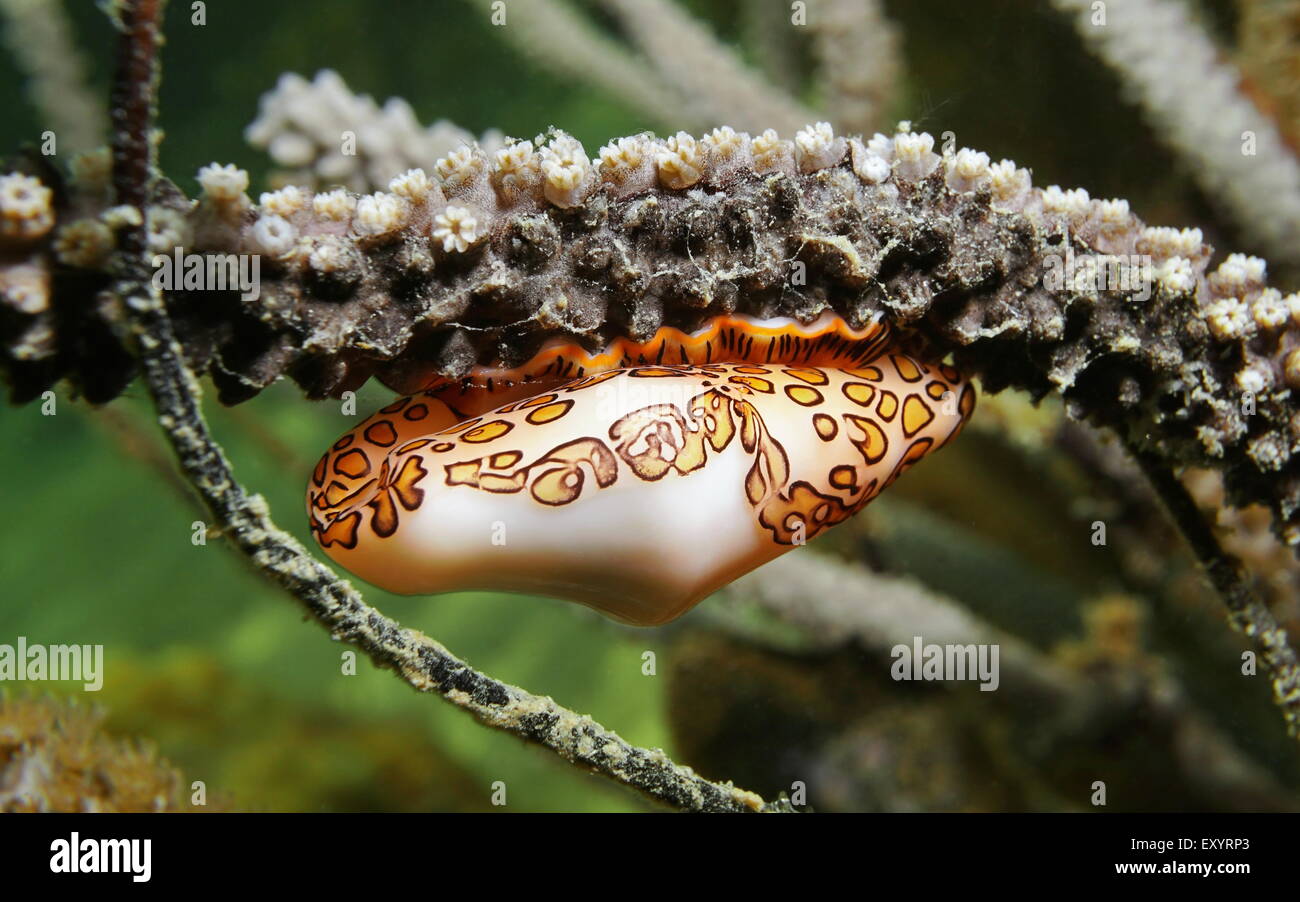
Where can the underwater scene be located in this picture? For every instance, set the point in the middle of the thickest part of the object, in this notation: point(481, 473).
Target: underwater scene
point(424, 406)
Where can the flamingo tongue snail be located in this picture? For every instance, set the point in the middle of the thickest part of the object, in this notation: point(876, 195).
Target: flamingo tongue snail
point(638, 480)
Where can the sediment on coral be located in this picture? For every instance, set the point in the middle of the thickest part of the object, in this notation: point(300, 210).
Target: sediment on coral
point(1040, 289)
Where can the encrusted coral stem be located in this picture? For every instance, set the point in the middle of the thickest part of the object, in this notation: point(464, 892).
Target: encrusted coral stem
point(422, 662)
point(134, 93)
point(1246, 612)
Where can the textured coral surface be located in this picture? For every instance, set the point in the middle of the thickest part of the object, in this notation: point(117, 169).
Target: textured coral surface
point(1040, 289)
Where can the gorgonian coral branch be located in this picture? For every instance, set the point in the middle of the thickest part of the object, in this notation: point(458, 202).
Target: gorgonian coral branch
point(832, 603)
point(1172, 68)
point(39, 35)
point(423, 663)
point(320, 132)
point(554, 35)
point(1268, 52)
point(1248, 614)
point(708, 74)
point(857, 51)
point(1039, 289)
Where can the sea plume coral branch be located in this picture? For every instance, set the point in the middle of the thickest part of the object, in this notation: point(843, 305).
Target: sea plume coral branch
point(38, 34)
point(857, 49)
point(1247, 614)
point(715, 83)
point(1194, 97)
point(556, 36)
point(1039, 289)
point(303, 125)
point(834, 604)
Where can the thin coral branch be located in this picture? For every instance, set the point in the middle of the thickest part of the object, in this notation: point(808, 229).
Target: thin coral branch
point(833, 603)
point(1194, 98)
point(40, 38)
point(555, 36)
point(766, 29)
point(304, 125)
point(1268, 51)
point(857, 51)
point(707, 73)
point(1247, 613)
point(836, 602)
point(422, 662)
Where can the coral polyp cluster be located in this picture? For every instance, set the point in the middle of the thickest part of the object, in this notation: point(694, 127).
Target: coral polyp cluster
point(484, 256)
point(320, 132)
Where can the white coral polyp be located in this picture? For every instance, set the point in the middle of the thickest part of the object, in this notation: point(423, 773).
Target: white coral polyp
point(379, 214)
point(816, 147)
point(770, 151)
point(330, 255)
point(619, 159)
point(517, 169)
point(336, 205)
point(1175, 275)
point(1229, 319)
point(1114, 215)
point(1073, 204)
point(223, 185)
point(1255, 378)
point(26, 287)
point(84, 243)
point(26, 207)
point(967, 170)
point(1270, 311)
point(882, 146)
point(168, 230)
point(725, 144)
point(567, 173)
point(868, 165)
point(1010, 185)
point(1162, 241)
point(274, 235)
point(460, 167)
point(680, 162)
point(413, 184)
point(1292, 302)
point(1291, 369)
point(1240, 270)
point(914, 156)
point(456, 228)
point(285, 202)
